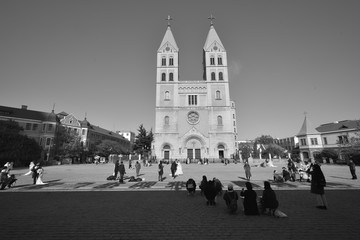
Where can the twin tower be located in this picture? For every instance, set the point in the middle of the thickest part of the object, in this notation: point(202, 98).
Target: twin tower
point(194, 119)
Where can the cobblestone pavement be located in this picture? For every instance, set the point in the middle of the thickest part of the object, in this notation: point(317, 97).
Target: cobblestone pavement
point(79, 204)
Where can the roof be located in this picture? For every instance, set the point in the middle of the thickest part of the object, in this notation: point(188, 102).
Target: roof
point(22, 113)
point(211, 38)
point(339, 125)
point(169, 39)
point(307, 128)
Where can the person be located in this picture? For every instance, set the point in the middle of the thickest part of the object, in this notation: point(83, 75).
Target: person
point(122, 172)
point(210, 193)
point(203, 184)
point(179, 170)
point(231, 197)
point(286, 174)
point(130, 164)
point(318, 183)
point(173, 169)
point(40, 172)
point(161, 171)
point(34, 174)
point(247, 169)
point(250, 200)
point(191, 186)
point(292, 169)
point(6, 179)
point(352, 169)
point(278, 177)
point(116, 169)
point(137, 168)
point(268, 199)
point(218, 186)
point(31, 165)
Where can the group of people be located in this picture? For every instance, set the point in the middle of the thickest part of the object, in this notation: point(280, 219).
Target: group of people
point(210, 189)
point(36, 171)
point(176, 169)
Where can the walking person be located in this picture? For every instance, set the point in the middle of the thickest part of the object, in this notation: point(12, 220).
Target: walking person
point(122, 172)
point(160, 171)
point(352, 169)
point(247, 169)
point(137, 168)
point(318, 183)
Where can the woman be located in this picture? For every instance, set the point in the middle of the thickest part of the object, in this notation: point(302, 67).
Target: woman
point(32, 164)
point(203, 184)
point(161, 171)
point(268, 199)
point(250, 197)
point(137, 168)
point(40, 172)
point(179, 169)
point(318, 183)
point(247, 169)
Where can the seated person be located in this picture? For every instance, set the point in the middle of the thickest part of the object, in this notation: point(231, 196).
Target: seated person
point(278, 177)
point(191, 186)
point(6, 179)
point(231, 198)
point(286, 174)
point(250, 200)
point(268, 199)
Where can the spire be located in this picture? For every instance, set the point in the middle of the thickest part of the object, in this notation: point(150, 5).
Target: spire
point(169, 37)
point(307, 128)
point(212, 37)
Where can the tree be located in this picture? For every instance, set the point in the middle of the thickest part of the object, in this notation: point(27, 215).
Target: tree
point(264, 139)
point(274, 149)
point(143, 141)
point(246, 150)
point(107, 147)
point(68, 143)
point(16, 147)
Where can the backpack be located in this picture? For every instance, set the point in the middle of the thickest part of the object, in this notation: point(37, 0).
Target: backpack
point(111, 177)
point(233, 204)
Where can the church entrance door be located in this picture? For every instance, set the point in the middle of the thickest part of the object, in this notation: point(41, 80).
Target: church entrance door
point(166, 155)
point(221, 154)
point(191, 155)
point(197, 154)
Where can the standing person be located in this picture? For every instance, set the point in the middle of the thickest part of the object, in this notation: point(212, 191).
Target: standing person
point(130, 163)
point(161, 171)
point(352, 169)
point(122, 172)
point(137, 168)
point(40, 172)
point(203, 184)
point(34, 174)
point(268, 199)
point(318, 183)
point(179, 170)
point(31, 165)
point(250, 197)
point(173, 169)
point(116, 169)
point(231, 198)
point(247, 169)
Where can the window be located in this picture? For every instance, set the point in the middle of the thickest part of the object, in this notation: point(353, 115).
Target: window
point(221, 76)
point(192, 99)
point(166, 120)
point(50, 127)
point(219, 60)
point(343, 139)
point(234, 123)
point(83, 132)
point(212, 60)
point(28, 126)
point(48, 141)
point(303, 142)
point(217, 95)
point(167, 95)
point(219, 120)
point(40, 142)
point(171, 61)
point(213, 76)
point(233, 116)
point(314, 141)
point(35, 127)
point(163, 61)
point(44, 127)
point(325, 141)
point(163, 77)
point(171, 77)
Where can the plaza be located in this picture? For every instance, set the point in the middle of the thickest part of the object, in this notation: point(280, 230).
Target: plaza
point(79, 203)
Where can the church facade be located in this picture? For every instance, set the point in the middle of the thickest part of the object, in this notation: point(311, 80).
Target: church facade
point(194, 119)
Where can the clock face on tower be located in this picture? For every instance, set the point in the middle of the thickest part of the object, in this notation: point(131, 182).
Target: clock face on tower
point(193, 117)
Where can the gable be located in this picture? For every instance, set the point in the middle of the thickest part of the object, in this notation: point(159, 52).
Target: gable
point(70, 120)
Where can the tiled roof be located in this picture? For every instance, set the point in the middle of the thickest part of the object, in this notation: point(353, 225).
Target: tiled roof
point(11, 112)
point(339, 125)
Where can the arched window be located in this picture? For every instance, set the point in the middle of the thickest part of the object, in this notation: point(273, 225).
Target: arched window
point(221, 146)
point(218, 95)
point(219, 60)
point(171, 77)
point(221, 76)
point(212, 60)
point(171, 61)
point(166, 120)
point(163, 77)
point(163, 61)
point(219, 120)
point(167, 95)
point(213, 76)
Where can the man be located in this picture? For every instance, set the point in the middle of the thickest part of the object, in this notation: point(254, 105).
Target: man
point(173, 168)
point(352, 169)
point(122, 172)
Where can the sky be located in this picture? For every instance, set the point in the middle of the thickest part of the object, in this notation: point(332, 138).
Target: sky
point(98, 58)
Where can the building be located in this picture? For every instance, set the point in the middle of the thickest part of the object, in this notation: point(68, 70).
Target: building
point(332, 136)
point(40, 126)
point(129, 135)
point(193, 119)
point(289, 143)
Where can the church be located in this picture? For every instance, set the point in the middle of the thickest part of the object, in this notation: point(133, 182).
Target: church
point(194, 119)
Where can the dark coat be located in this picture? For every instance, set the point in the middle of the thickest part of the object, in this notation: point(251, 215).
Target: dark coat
point(173, 167)
point(210, 190)
point(122, 168)
point(269, 199)
point(229, 195)
point(318, 181)
point(250, 203)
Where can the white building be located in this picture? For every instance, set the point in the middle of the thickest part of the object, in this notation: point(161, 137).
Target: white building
point(193, 119)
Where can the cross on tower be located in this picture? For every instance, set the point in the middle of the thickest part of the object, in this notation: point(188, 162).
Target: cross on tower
point(211, 19)
point(168, 20)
